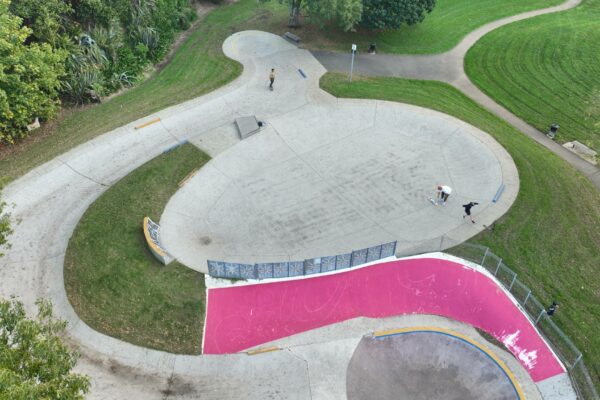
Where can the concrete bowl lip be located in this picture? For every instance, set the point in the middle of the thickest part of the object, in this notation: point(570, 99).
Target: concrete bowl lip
point(474, 344)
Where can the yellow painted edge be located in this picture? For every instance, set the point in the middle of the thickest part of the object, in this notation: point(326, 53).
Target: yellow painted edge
point(483, 348)
point(145, 124)
point(263, 350)
point(149, 239)
point(188, 177)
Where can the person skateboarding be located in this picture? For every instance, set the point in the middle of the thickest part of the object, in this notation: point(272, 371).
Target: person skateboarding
point(443, 192)
point(272, 78)
point(467, 208)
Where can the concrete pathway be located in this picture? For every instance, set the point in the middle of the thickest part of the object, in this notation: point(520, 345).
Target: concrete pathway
point(449, 67)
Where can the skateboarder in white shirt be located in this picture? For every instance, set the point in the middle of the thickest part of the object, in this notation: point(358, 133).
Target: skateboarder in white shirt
point(443, 192)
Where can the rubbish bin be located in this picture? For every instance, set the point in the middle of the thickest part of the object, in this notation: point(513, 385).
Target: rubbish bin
point(552, 131)
point(372, 48)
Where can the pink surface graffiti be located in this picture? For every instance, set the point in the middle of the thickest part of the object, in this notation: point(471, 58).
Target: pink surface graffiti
point(241, 317)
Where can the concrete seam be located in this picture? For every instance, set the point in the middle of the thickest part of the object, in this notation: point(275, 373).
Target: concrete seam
point(291, 351)
point(82, 175)
point(168, 131)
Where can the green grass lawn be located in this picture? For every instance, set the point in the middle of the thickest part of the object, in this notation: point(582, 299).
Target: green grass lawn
point(546, 70)
point(551, 234)
point(199, 67)
point(113, 281)
point(449, 22)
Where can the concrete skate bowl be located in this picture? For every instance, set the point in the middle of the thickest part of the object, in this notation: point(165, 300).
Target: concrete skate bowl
point(329, 175)
point(325, 180)
point(426, 365)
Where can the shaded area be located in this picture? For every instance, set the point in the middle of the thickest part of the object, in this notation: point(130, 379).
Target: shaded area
point(425, 365)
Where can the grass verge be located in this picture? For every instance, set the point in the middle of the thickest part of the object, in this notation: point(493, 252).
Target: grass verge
point(550, 235)
point(112, 280)
point(199, 66)
point(546, 70)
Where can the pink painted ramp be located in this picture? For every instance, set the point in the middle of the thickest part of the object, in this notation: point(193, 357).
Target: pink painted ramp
point(241, 317)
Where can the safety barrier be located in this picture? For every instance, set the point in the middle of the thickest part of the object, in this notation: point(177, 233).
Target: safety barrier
point(221, 269)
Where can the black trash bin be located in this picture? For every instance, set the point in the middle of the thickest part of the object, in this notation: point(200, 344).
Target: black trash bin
point(552, 131)
point(372, 48)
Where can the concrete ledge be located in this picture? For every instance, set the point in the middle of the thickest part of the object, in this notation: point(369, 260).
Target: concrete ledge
point(247, 126)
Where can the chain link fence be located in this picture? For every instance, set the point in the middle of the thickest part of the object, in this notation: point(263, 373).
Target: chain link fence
point(562, 345)
point(309, 266)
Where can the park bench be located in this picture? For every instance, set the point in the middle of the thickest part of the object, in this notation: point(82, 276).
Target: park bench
point(290, 36)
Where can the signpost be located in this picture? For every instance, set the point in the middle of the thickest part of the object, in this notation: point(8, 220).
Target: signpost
point(352, 62)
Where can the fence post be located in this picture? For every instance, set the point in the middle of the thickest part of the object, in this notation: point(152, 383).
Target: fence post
point(513, 282)
point(498, 267)
point(527, 297)
point(484, 256)
point(540, 316)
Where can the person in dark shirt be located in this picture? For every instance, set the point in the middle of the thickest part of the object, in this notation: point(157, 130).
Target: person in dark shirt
point(467, 208)
point(552, 309)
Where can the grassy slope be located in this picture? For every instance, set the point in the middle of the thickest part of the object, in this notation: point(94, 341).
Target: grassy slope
point(546, 70)
point(550, 236)
point(200, 66)
point(441, 30)
point(112, 280)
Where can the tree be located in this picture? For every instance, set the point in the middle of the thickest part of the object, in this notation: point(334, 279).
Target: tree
point(345, 13)
point(34, 363)
point(29, 77)
point(391, 14)
point(48, 19)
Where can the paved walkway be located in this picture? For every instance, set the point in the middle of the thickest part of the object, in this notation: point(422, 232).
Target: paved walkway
point(449, 67)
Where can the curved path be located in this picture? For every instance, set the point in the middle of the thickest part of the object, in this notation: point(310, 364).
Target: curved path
point(449, 67)
point(51, 199)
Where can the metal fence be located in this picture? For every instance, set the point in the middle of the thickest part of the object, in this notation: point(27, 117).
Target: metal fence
point(309, 266)
point(562, 345)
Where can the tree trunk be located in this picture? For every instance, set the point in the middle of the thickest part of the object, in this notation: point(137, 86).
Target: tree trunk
point(294, 21)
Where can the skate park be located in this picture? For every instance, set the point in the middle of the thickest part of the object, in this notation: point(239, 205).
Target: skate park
point(324, 176)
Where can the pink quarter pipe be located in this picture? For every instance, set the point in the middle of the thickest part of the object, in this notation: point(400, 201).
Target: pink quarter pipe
point(241, 317)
